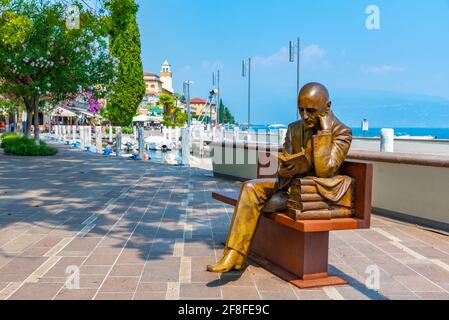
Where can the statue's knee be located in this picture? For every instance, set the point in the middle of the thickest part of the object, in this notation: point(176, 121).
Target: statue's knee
point(251, 186)
point(248, 185)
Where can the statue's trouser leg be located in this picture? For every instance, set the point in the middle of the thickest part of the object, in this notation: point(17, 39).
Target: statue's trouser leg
point(253, 196)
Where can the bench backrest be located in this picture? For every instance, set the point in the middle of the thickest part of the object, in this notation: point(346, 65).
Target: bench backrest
point(362, 172)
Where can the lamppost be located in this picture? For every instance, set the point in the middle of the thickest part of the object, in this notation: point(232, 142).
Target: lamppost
point(186, 131)
point(246, 71)
point(186, 90)
point(212, 93)
point(216, 82)
point(295, 49)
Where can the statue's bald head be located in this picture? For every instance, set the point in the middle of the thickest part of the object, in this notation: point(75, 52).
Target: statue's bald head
point(313, 101)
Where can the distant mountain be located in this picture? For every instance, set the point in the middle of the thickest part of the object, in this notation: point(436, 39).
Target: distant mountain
point(382, 109)
point(386, 109)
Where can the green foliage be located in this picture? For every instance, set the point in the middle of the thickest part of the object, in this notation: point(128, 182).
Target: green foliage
point(7, 137)
point(42, 59)
point(22, 146)
point(173, 116)
point(225, 115)
point(125, 46)
point(127, 130)
point(124, 130)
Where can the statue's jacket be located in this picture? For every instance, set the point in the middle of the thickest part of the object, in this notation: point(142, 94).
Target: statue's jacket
point(325, 151)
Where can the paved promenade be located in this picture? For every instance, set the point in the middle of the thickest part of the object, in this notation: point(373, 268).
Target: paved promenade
point(136, 230)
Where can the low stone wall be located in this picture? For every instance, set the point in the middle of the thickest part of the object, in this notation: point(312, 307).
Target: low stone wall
point(410, 187)
point(433, 147)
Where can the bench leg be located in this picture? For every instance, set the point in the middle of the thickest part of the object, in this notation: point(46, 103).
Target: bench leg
point(297, 257)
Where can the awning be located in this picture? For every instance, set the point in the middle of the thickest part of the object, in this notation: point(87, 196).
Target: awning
point(141, 118)
point(61, 112)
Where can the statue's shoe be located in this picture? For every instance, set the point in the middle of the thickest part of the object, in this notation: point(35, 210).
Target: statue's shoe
point(233, 260)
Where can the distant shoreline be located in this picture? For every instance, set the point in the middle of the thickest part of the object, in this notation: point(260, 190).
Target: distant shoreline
point(436, 133)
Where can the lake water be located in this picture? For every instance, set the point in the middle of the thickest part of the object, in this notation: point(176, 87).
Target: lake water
point(439, 133)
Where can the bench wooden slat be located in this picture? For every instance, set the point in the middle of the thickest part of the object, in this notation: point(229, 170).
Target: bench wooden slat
point(226, 197)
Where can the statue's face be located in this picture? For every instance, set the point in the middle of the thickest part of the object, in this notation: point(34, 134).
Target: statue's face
point(310, 109)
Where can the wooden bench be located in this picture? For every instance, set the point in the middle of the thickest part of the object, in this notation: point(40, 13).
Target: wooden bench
point(298, 251)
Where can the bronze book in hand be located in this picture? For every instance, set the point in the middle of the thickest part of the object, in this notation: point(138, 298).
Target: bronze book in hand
point(289, 159)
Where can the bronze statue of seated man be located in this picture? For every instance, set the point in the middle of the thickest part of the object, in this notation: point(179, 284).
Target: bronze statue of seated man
point(308, 185)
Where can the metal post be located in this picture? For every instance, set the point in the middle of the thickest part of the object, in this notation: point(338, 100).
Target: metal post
point(297, 71)
point(187, 89)
point(292, 58)
point(118, 142)
point(211, 99)
point(74, 134)
point(141, 141)
point(98, 139)
point(217, 104)
point(82, 137)
point(249, 93)
point(186, 131)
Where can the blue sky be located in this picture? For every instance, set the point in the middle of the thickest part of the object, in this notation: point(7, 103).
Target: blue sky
point(395, 76)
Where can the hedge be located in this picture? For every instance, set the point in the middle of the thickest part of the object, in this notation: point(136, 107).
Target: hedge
point(22, 146)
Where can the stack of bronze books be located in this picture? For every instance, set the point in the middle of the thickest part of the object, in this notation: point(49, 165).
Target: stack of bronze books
point(306, 203)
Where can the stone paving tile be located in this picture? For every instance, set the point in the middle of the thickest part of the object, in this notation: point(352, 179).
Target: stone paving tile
point(198, 291)
point(61, 267)
point(3, 285)
point(418, 284)
point(91, 281)
point(114, 296)
point(237, 279)
point(101, 260)
point(433, 295)
point(152, 287)
point(309, 294)
point(75, 294)
point(126, 270)
point(270, 284)
point(203, 276)
point(240, 293)
point(140, 247)
point(278, 295)
point(120, 284)
point(94, 270)
point(34, 252)
point(160, 274)
point(351, 293)
point(36, 291)
point(18, 269)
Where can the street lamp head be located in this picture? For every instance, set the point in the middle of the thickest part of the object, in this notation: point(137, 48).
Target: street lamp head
point(243, 68)
point(291, 50)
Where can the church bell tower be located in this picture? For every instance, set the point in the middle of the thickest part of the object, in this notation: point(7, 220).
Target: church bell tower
point(166, 77)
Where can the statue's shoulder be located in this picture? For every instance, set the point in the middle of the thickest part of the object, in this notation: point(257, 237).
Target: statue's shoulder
point(340, 128)
point(294, 125)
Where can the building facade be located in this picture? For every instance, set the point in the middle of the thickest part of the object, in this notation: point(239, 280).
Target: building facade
point(201, 107)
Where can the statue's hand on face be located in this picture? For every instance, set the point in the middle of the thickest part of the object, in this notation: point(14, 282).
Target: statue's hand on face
point(325, 120)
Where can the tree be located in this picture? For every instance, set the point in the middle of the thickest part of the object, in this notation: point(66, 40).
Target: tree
point(13, 105)
point(124, 38)
point(178, 98)
point(225, 114)
point(173, 116)
point(44, 60)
